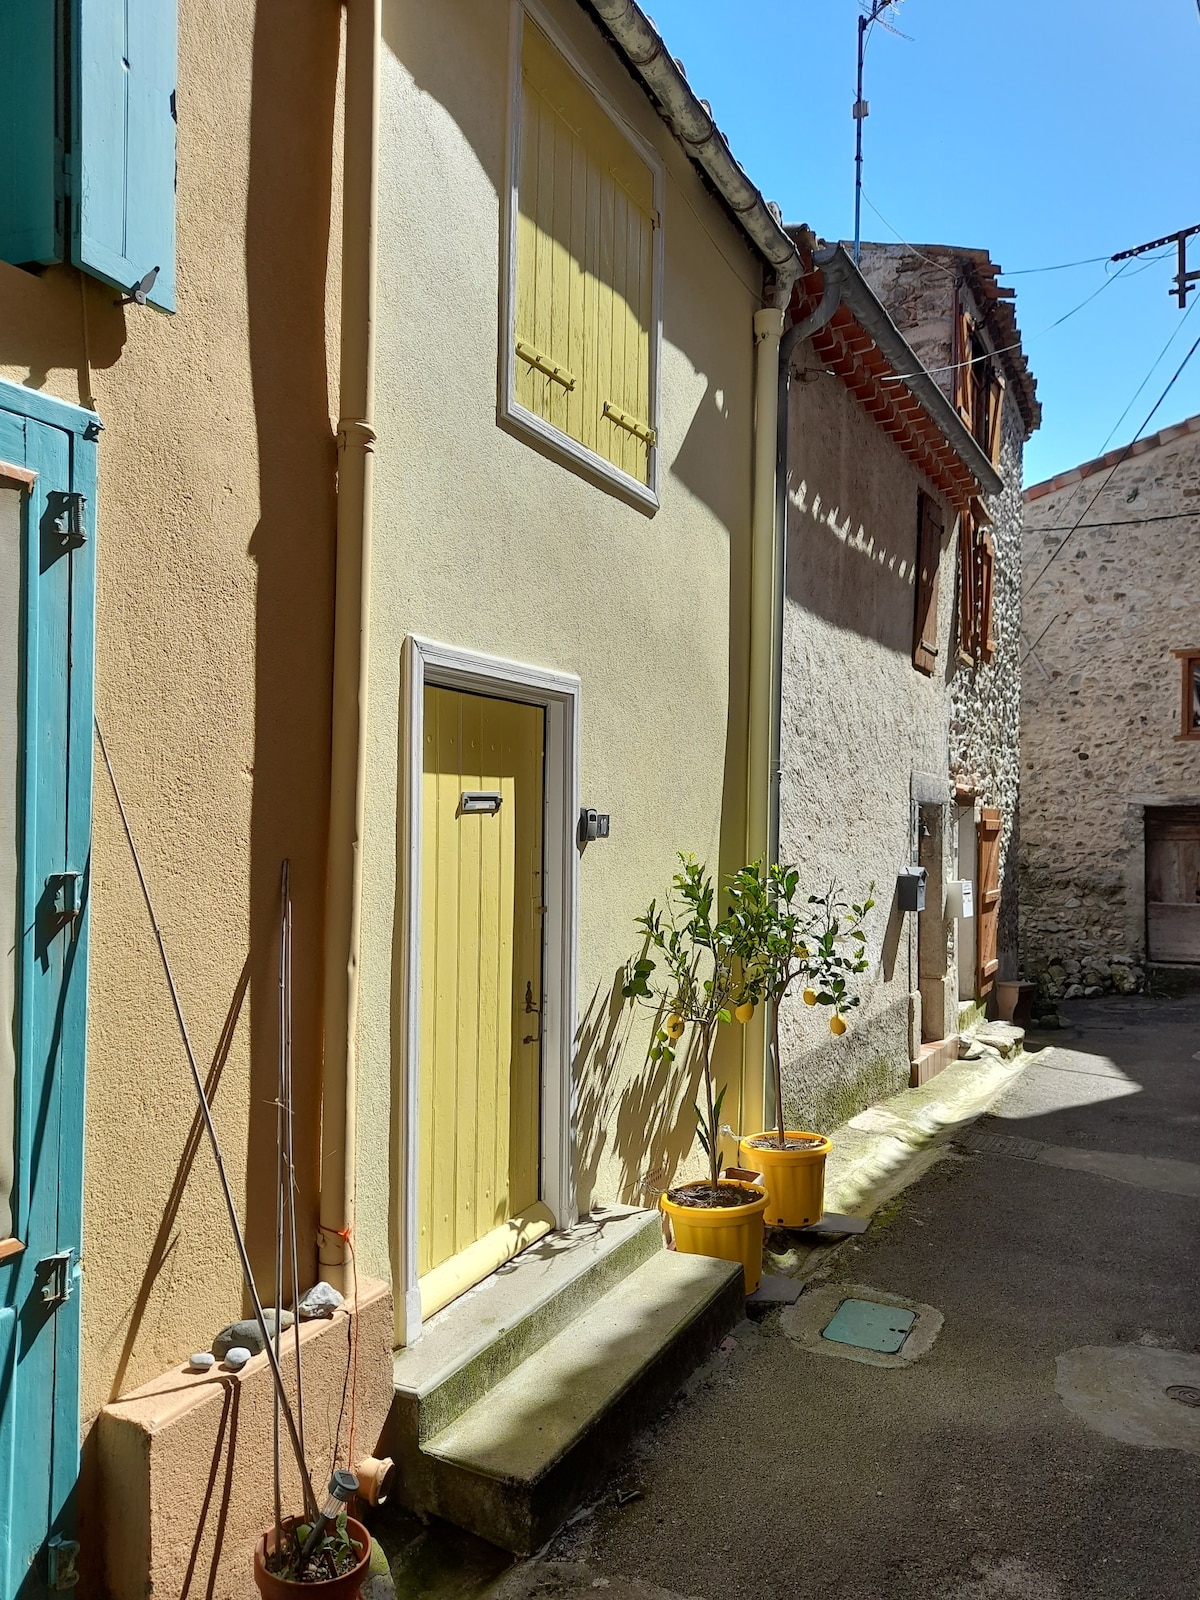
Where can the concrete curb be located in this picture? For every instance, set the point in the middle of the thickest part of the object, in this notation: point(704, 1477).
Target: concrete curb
point(882, 1150)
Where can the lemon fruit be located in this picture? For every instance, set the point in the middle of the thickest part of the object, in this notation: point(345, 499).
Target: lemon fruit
point(837, 1025)
point(674, 1025)
point(810, 997)
point(745, 1011)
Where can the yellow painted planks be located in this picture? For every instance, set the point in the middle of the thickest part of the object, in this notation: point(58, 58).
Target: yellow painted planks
point(584, 262)
point(480, 1091)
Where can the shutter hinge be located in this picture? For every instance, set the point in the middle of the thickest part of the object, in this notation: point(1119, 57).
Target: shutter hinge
point(61, 1556)
point(66, 517)
point(59, 1281)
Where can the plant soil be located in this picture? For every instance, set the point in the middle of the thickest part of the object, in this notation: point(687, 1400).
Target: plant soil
point(705, 1198)
point(768, 1141)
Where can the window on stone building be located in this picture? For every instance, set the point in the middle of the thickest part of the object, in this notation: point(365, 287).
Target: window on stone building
point(976, 571)
point(978, 383)
point(929, 556)
point(1189, 700)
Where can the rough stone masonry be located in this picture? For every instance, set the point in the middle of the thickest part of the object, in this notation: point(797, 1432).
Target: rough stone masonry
point(1101, 702)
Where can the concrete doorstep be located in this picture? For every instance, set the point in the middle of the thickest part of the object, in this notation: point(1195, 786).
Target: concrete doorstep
point(876, 1155)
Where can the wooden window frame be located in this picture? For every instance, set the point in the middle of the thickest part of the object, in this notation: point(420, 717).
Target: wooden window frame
point(976, 587)
point(512, 414)
point(1189, 666)
point(979, 387)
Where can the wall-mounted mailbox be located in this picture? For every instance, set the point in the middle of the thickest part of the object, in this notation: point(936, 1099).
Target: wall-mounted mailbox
point(476, 800)
point(960, 899)
point(592, 825)
point(910, 889)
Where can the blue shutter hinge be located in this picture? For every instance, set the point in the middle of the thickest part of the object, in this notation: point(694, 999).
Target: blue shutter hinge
point(65, 508)
point(93, 430)
point(62, 901)
point(61, 1556)
point(58, 1278)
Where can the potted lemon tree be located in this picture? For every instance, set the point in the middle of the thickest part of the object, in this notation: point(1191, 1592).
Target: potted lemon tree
point(819, 944)
point(689, 972)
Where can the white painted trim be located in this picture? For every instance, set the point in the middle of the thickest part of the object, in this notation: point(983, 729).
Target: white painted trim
point(425, 661)
point(512, 414)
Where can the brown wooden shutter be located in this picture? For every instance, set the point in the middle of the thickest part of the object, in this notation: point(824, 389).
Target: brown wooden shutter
point(966, 586)
point(988, 918)
point(987, 563)
point(962, 363)
point(995, 414)
point(929, 555)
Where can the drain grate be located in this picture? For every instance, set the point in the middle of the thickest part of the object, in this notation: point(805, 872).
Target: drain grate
point(870, 1326)
point(1184, 1393)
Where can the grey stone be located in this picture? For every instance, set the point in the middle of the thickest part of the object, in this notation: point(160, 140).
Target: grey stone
point(247, 1334)
point(1074, 992)
point(1093, 989)
point(1124, 981)
point(319, 1302)
point(1050, 1022)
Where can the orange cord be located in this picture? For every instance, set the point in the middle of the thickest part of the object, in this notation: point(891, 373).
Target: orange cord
point(344, 1235)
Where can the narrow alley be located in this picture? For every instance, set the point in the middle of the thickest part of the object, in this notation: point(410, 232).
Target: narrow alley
point(1062, 1223)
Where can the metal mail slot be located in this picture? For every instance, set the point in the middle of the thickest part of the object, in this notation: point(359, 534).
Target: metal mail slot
point(480, 800)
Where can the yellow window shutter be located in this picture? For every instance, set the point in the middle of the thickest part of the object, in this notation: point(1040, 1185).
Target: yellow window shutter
point(585, 256)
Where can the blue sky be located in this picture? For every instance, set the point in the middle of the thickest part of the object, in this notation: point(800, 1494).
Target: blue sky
point(1045, 131)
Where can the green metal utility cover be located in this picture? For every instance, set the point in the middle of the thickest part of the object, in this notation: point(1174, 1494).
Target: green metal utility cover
point(870, 1326)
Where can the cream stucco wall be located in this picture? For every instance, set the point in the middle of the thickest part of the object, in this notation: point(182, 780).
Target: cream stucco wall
point(214, 616)
point(484, 543)
point(859, 721)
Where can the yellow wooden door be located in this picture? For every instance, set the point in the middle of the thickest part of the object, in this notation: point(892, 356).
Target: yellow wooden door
point(481, 989)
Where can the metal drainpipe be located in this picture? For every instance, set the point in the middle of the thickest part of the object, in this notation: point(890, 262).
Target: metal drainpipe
point(788, 344)
point(356, 443)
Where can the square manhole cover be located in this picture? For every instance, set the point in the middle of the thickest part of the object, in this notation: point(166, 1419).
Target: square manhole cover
point(870, 1326)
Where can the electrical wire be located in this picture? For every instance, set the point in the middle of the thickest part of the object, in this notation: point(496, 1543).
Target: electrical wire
point(1108, 475)
point(1179, 327)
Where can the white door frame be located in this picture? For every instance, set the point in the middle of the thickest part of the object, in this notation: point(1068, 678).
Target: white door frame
point(425, 661)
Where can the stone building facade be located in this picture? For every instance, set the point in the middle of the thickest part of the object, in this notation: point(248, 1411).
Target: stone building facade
point(929, 291)
point(889, 753)
point(1110, 783)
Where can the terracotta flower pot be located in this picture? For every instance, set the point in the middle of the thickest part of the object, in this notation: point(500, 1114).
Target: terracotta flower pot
point(346, 1587)
point(794, 1179)
point(731, 1233)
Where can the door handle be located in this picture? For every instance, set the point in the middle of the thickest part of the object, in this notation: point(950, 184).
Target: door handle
point(532, 1011)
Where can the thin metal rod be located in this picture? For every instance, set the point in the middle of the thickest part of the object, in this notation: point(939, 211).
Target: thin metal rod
point(289, 1103)
point(280, 1214)
point(310, 1499)
point(858, 136)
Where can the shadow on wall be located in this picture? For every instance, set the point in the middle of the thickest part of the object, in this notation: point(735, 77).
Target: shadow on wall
point(49, 319)
point(648, 1125)
point(295, 68)
point(852, 577)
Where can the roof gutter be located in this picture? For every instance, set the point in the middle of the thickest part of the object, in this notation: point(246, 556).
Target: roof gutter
point(642, 46)
point(860, 300)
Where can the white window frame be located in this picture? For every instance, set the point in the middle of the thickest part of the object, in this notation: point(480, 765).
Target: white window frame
point(426, 661)
point(514, 416)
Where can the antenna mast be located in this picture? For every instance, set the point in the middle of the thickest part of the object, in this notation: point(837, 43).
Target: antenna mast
point(862, 110)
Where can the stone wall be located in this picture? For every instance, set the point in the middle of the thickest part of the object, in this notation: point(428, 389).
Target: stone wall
point(919, 289)
point(985, 700)
point(863, 733)
point(1101, 703)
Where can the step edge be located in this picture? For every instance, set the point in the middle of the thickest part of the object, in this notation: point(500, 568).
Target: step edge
point(643, 1243)
point(719, 1286)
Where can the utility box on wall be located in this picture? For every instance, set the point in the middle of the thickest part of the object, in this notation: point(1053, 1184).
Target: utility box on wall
point(910, 889)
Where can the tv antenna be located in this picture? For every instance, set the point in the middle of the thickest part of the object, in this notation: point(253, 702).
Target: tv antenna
point(1185, 281)
point(871, 12)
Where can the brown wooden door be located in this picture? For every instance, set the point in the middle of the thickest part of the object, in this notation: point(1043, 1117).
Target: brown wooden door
point(988, 915)
point(1173, 883)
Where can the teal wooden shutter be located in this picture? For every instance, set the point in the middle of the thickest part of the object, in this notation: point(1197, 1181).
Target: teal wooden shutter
point(123, 160)
point(30, 161)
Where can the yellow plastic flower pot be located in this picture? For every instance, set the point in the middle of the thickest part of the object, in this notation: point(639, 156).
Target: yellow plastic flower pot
point(731, 1233)
point(795, 1179)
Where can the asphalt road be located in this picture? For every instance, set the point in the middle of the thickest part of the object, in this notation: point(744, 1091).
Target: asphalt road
point(1073, 1223)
